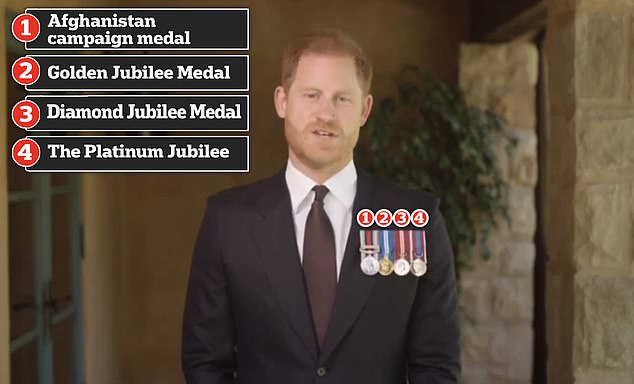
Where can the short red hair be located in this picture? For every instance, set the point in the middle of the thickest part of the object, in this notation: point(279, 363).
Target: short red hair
point(326, 42)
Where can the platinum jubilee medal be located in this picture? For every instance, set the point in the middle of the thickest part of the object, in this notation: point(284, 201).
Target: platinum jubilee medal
point(369, 252)
point(419, 264)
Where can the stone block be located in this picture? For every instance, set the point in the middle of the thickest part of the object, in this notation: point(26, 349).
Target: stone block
point(604, 227)
point(606, 146)
point(488, 69)
point(523, 168)
point(513, 298)
point(524, 60)
point(475, 373)
point(476, 298)
point(520, 352)
point(477, 343)
point(511, 353)
point(522, 211)
point(604, 326)
point(600, 56)
point(490, 267)
point(518, 258)
point(602, 377)
point(517, 107)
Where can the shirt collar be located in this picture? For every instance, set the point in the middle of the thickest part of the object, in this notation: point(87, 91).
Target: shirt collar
point(342, 186)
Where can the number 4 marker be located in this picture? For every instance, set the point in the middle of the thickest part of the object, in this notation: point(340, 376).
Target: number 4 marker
point(420, 218)
point(26, 152)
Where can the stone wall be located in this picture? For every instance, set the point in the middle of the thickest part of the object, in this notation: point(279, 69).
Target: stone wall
point(590, 325)
point(498, 293)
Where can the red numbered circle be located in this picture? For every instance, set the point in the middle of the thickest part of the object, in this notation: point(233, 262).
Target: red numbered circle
point(365, 217)
point(420, 218)
point(401, 218)
point(25, 27)
point(25, 70)
point(25, 114)
point(383, 217)
point(26, 152)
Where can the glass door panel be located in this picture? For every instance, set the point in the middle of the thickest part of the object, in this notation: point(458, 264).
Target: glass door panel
point(62, 283)
point(22, 266)
point(22, 369)
point(63, 353)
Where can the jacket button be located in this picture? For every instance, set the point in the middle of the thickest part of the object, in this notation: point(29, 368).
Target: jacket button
point(321, 371)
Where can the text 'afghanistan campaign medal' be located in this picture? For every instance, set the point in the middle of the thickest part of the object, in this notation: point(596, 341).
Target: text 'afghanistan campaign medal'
point(369, 252)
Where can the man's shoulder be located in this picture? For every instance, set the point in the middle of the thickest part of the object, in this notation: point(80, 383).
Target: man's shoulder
point(389, 192)
point(247, 194)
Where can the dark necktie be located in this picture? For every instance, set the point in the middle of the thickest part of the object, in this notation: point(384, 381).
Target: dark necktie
point(319, 262)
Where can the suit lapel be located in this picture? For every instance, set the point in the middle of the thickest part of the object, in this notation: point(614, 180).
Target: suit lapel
point(354, 287)
point(275, 238)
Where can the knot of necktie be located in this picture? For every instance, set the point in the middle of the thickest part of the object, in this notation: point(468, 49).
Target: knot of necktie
point(320, 192)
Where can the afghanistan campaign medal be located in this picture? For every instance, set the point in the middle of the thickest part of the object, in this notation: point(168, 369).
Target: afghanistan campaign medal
point(401, 266)
point(419, 265)
point(386, 266)
point(369, 253)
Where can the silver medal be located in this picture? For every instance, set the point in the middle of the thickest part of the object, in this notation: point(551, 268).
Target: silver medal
point(401, 267)
point(419, 267)
point(370, 265)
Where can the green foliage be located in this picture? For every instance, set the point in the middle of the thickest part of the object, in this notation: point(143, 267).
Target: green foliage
point(429, 138)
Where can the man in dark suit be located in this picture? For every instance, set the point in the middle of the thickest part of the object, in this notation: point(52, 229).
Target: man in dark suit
point(276, 292)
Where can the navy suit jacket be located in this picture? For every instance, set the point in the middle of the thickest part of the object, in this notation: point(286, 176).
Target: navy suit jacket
point(247, 317)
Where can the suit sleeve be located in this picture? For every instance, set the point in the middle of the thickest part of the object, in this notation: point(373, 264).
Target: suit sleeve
point(434, 330)
point(208, 355)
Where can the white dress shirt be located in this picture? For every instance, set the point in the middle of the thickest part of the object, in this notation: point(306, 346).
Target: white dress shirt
point(338, 204)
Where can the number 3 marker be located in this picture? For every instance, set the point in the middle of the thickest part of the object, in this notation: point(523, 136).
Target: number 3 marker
point(25, 114)
point(401, 218)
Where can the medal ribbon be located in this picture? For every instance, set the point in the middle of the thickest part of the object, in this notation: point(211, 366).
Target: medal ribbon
point(392, 244)
point(384, 246)
point(368, 243)
point(419, 245)
point(362, 238)
point(424, 248)
point(411, 245)
point(376, 243)
point(401, 249)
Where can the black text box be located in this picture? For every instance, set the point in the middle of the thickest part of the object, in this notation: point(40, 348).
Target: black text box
point(141, 73)
point(142, 113)
point(142, 154)
point(141, 28)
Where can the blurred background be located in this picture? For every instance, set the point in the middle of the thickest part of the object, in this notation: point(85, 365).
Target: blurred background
point(93, 267)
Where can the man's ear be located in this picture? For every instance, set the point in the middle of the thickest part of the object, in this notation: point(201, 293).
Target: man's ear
point(279, 98)
point(366, 107)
